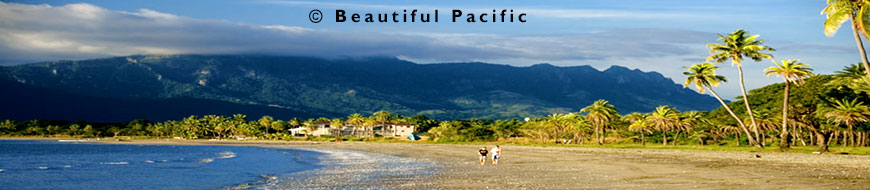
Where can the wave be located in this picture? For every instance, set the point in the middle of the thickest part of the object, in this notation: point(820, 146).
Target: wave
point(73, 140)
point(42, 168)
point(114, 163)
point(206, 160)
point(1, 170)
point(226, 155)
point(265, 182)
point(149, 161)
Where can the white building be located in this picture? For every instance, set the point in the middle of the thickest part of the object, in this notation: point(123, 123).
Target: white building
point(323, 128)
point(395, 130)
point(386, 130)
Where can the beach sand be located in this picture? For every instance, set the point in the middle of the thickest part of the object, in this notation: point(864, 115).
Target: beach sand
point(532, 167)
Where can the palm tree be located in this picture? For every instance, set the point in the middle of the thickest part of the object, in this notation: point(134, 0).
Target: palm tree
point(852, 76)
point(688, 121)
point(369, 126)
point(338, 125)
point(766, 122)
point(664, 118)
point(703, 76)
point(638, 123)
point(266, 122)
point(848, 113)
point(310, 126)
point(356, 120)
point(599, 114)
point(641, 126)
point(792, 72)
point(634, 117)
point(726, 129)
point(838, 11)
point(560, 125)
point(735, 46)
point(278, 126)
point(383, 117)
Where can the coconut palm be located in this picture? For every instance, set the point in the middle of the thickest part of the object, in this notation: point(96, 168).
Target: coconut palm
point(766, 122)
point(852, 76)
point(559, 124)
point(664, 119)
point(337, 124)
point(728, 129)
point(838, 11)
point(848, 113)
point(792, 72)
point(599, 114)
point(642, 126)
point(369, 126)
point(735, 47)
point(634, 117)
point(310, 126)
point(703, 76)
point(688, 121)
point(357, 121)
point(382, 117)
point(266, 122)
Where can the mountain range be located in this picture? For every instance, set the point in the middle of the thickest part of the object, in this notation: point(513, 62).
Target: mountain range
point(163, 87)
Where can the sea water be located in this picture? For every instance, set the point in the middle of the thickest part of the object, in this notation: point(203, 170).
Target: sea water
point(28, 164)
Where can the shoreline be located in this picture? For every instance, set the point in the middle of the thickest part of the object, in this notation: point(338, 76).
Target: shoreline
point(596, 168)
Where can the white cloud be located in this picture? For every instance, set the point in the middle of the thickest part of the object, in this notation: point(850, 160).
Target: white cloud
point(30, 33)
point(76, 31)
point(537, 12)
point(601, 14)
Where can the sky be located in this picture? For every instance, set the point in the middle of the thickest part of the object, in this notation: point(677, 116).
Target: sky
point(661, 36)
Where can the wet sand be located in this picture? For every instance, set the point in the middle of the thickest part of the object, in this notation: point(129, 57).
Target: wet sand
point(530, 167)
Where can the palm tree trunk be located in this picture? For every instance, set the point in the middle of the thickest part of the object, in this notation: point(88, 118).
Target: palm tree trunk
point(851, 135)
point(821, 140)
point(746, 102)
point(597, 135)
point(739, 121)
point(798, 134)
point(642, 142)
point(861, 48)
point(665, 138)
point(738, 137)
point(783, 138)
point(674, 142)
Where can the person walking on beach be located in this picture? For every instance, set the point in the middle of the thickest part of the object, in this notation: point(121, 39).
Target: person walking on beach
point(483, 153)
point(496, 153)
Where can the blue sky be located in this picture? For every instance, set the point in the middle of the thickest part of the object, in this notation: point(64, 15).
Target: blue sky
point(657, 36)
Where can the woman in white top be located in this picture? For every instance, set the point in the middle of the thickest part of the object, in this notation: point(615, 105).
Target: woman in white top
point(496, 153)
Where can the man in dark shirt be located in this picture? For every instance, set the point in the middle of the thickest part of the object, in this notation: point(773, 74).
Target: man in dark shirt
point(483, 153)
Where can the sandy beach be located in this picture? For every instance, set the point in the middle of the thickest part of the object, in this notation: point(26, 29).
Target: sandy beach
point(531, 167)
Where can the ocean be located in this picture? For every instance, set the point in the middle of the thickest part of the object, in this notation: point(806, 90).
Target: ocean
point(51, 164)
point(30, 164)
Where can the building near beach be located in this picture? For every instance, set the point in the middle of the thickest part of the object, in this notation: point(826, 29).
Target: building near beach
point(398, 130)
point(325, 128)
